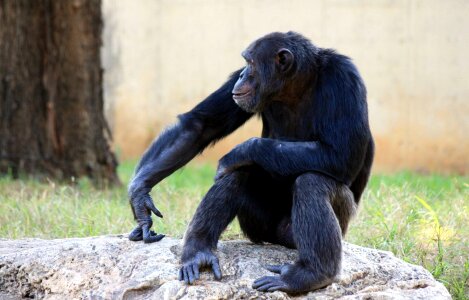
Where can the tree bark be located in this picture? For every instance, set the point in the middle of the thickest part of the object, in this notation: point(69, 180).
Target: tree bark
point(51, 98)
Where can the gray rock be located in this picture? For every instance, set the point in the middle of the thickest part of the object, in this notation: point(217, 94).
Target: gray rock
point(111, 267)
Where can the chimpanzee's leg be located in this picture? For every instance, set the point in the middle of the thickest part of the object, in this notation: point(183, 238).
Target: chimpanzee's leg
point(218, 208)
point(344, 206)
point(266, 217)
point(317, 236)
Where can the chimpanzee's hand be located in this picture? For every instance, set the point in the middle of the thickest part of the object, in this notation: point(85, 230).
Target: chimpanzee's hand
point(189, 271)
point(142, 207)
point(239, 156)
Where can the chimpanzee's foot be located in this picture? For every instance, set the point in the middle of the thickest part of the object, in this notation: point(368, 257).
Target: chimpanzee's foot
point(137, 235)
point(189, 271)
point(271, 284)
point(292, 279)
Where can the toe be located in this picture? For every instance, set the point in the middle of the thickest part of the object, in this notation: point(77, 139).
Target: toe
point(274, 268)
point(267, 284)
point(261, 281)
point(276, 287)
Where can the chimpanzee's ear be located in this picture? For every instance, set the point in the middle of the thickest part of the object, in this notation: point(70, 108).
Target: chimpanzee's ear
point(284, 59)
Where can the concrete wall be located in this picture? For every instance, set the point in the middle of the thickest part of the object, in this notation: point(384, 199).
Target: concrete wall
point(161, 57)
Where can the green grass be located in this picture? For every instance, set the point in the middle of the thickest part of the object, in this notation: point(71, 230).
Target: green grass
point(423, 219)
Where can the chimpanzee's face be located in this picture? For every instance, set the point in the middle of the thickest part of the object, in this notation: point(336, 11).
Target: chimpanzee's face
point(246, 89)
point(264, 76)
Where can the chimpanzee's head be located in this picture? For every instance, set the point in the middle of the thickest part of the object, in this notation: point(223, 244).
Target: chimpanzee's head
point(272, 64)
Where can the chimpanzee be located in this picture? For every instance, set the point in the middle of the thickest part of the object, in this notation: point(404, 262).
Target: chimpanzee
point(298, 185)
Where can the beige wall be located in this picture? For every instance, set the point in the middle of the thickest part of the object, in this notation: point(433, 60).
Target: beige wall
point(163, 56)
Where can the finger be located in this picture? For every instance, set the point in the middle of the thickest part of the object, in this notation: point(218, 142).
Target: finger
point(181, 274)
point(216, 268)
point(136, 234)
point(190, 274)
point(195, 269)
point(153, 208)
point(153, 239)
point(221, 170)
point(218, 176)
point(142, 213)
point(146, 231)
point(186, 277)
point(147, 237)
point(159, 237)
point(274, 268)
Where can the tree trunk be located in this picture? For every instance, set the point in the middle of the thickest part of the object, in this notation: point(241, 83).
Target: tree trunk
point(51, 98)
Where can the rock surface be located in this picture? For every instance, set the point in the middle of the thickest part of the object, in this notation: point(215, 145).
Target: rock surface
point(111, 267)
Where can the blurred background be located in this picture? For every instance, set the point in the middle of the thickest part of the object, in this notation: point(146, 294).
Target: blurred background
point(162, 57)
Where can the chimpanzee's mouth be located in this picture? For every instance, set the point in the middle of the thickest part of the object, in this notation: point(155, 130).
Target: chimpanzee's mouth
point(241, 96)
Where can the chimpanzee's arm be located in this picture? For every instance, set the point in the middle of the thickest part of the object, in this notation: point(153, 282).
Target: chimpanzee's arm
point(294, 158)
point(211, 120)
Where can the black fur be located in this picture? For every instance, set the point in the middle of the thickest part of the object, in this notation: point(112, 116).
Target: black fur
point(298, 185)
